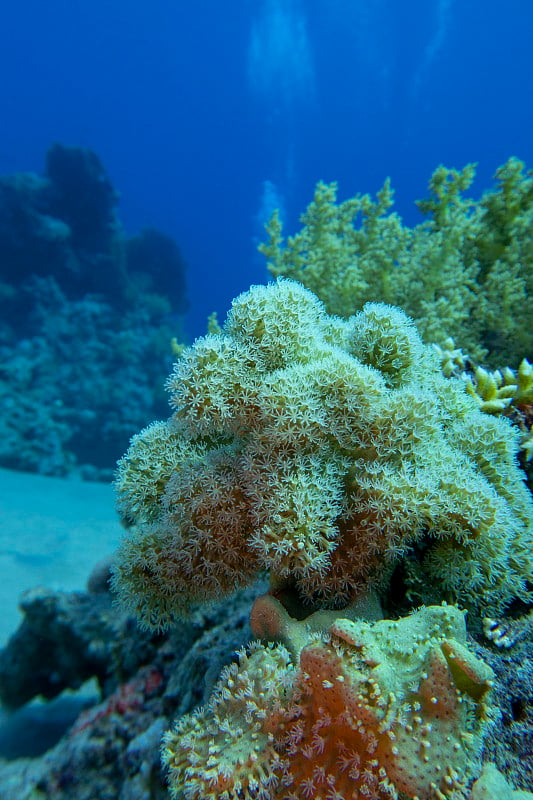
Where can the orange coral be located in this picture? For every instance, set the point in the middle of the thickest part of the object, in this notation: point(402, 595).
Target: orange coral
point(371, 710)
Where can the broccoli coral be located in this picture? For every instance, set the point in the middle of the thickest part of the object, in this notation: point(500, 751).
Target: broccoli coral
point(323, 451)
point(466, 272)
point(366, 710)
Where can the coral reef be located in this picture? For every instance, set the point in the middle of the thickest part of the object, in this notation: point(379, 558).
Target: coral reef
point(504, 391)
point(509, 743)
point(62, 411)
point(155, 265)
point(369, 710)
point(466, 272)
point(333, 456)
point(80, 194)
point(495, 391)
point(63, 223)
point(65, 639)
point(110, 749)
point(87, 318)
point(325, 452)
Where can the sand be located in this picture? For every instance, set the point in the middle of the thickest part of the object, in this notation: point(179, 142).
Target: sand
point(52, 532)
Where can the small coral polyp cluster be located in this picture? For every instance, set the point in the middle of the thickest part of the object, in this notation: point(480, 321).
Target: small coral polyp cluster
point(369, 711)
point(323, 451)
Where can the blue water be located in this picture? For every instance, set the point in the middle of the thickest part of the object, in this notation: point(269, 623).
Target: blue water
point(207, 114)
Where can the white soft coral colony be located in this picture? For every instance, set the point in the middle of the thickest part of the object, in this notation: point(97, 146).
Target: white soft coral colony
point(323, 451)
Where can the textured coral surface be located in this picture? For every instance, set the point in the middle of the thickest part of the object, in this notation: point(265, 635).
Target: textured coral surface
point(465, 272)
point(146, 680)
point(367, 712)
point(324, 451)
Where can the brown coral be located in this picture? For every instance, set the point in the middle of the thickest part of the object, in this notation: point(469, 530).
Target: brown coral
point(371, 710)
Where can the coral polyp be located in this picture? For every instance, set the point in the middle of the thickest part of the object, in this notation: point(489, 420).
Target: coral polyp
point(324, 452)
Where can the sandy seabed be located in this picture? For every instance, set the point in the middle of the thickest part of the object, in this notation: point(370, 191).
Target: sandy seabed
point(52, 533)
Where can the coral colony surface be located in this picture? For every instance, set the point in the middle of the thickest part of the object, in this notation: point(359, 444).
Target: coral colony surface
point(329, 543)
point(323, 451)
point(465, 272)
point(336, 457)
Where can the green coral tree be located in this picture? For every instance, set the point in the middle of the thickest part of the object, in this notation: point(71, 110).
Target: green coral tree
point(465, 272)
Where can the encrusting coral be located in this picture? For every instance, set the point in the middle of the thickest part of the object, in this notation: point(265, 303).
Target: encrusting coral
point(466, 272)
point(325, 452)
point(492, 785)
point(360, 711)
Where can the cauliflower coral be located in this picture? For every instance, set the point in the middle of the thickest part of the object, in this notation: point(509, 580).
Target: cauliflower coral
point(323, 451)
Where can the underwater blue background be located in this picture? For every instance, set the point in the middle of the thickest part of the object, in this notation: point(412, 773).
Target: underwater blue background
point(206, 115)
point(209, 114)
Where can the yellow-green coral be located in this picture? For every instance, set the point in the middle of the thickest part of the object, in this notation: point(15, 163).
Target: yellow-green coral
point(494, 391)
point(364, 710)
point(452, 359)
point(323, 451)
point(226, 749)
point(498, 391)
point(466, 272)
point(492, 785)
